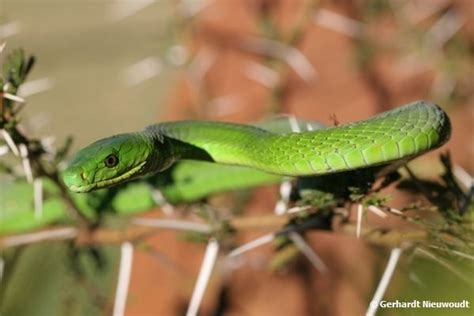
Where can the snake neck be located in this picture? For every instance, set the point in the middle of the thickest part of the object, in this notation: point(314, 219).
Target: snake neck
point(208, 141)
point(161, 156)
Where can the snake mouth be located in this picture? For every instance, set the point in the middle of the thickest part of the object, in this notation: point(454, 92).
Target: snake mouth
point(130, 174)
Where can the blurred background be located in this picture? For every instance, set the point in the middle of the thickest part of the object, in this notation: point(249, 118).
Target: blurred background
point(105, 67)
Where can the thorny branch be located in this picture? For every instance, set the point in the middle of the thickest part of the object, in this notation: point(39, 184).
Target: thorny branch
point(137, 230)
point(15, 72)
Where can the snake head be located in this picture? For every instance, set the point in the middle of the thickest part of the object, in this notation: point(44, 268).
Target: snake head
point(108, 162)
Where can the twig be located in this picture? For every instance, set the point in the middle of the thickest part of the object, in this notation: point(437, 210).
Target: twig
point(208, 262)
point(85, 236)
point(125, 270)
point(384, 281)
point(63, 233)
point(72, 208)
point(173, 224)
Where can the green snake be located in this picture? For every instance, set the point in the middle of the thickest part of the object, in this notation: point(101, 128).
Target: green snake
point(389, 138)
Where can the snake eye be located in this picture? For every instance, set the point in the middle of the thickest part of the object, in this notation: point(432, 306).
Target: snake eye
point(111, 161)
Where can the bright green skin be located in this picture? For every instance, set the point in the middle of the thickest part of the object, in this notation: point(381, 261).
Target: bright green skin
point(390, 137)
point(192, 180)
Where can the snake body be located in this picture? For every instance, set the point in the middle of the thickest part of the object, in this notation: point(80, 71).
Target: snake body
point(390, 137)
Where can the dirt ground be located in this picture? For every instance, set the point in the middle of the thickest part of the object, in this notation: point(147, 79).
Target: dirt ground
point(218, 85)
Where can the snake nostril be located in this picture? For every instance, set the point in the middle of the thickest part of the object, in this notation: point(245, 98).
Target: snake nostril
point(83, 176)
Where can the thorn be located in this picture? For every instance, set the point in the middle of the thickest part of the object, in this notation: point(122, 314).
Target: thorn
point(36, 86)
point(301, 65)
point(160, 200)
point(395, 211)
point(309, 252)
point(466, 180)
point(39, 121)
point(427, 254)
point(190, 8)
point(26, 162)
point(48, 144)
point(295, 127)
point(12, 97)
point(384, 281)
point(122, 9)
point(443, 85)
point(414, 277)
point(374, 209)
point(38, 198)
point(459, 253)
point(445, 28)
point(261, 74)
point(6, 86)
point(417, 11)
point(9, 29)
point(297, 209)
point(2, 46)
point(360, 210)
point(141, 71)
point(260, 241)
point(224, 105)
point(338, 23)
point(282, 204)
point(292, 56)
point(201, 63)
point(177, 55)
point(4, 150)
point(125, 271)
point(2, 267)
point(208, 262)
